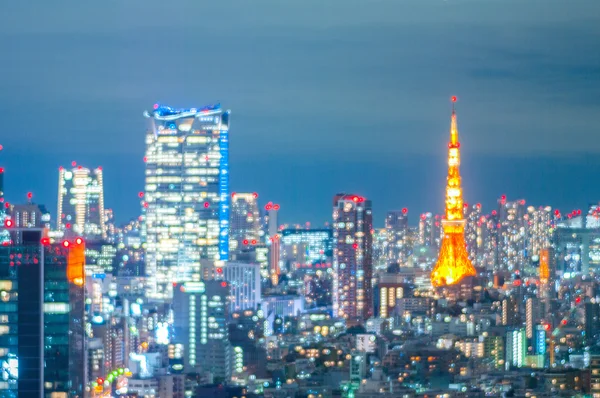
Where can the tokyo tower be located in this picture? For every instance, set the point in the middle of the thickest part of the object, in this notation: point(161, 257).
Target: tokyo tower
point(453, 262)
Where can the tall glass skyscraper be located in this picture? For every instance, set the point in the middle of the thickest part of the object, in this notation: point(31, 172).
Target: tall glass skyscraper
point(186, 199)
point(42, 349)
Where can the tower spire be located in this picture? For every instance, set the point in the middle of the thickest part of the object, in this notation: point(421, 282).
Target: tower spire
point(453, 261)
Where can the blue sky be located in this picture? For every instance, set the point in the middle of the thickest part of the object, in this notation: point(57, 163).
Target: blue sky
point(325, 96)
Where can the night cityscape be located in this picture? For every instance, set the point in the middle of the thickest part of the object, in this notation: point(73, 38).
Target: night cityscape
point(331, 200)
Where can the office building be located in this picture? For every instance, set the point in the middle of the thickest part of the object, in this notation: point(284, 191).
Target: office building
point(200, 324)
point(352, 257)
point(398, 246)
point(244, 221)
point(244, 286)
point(43, 346)
point(81, 202)
point(186, 200)
point(512, 242)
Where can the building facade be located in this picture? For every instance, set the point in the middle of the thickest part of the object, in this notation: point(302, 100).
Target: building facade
point(352, 257)
point(186, 200)
point(42, 347)
point(201, 313)
point(81, 202)
point(245, 289)
point(244, 224)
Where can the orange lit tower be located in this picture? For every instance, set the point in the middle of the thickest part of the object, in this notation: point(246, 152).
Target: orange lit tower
point(453, 261)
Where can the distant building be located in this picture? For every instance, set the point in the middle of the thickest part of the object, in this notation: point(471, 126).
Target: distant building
point(30, 215)
point(352, 257)
point(244, 286)
point(244, 224)
point(81, 202)
point(200, 324)
point(309, 249)
point(398, 244)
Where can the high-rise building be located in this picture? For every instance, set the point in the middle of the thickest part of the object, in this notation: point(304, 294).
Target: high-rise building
point(512, 242)
point(473, 232)
point(43, 349)
point(244, 224)
point(200, 324)
point(81, 202)
point(186, 199)
point(539, 229)
point(426, 230)
point(453, 262)
point(244, 286)
point(352, 257)
point(398, 244)
point(273, 241)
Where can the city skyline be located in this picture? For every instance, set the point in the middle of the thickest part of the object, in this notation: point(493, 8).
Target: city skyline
point(528, 96)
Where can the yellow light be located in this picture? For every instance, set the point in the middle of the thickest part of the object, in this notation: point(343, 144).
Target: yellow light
point(453, 261)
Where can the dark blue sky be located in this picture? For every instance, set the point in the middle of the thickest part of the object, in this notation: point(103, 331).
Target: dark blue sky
point(326, 96)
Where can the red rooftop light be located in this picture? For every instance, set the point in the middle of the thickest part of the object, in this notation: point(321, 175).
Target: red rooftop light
point(255, 195)
point(253, 241)
point(245, 241)
point(206, 204)
point(453, 98)
point(73, 163)
point(233, 194)
point(404, 210)
point(8, 223)
point(275, 207)
point(141, 194)
point(224, 284)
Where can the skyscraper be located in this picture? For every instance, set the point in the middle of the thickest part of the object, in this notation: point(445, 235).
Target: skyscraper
point(512, 245)
point(398, 248)
point(453, 263)
point(201, 313)
point(352, 257)
point(81, 202)
point(43, 349)
point(244, 225)
point(186, 200)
